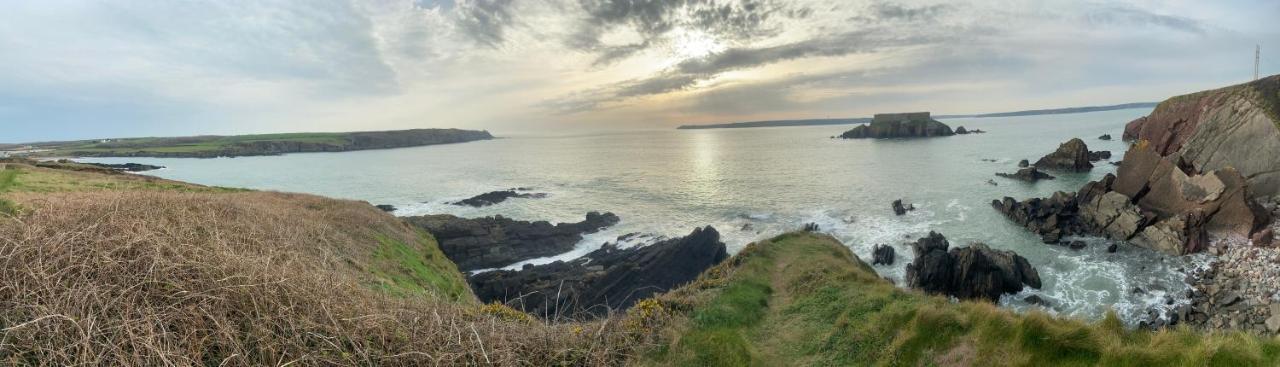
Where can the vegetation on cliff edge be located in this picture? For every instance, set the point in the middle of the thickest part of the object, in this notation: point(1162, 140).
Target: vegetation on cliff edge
point(804, 299)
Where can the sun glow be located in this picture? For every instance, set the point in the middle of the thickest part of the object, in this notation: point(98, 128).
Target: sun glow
point(692, 44)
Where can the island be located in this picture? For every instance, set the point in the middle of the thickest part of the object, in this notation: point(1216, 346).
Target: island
point(863, 120)
point(213, 146)
point(899, 125)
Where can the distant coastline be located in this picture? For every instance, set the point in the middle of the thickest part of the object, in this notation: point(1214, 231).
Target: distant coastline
point(213, 146)
point(862, 120)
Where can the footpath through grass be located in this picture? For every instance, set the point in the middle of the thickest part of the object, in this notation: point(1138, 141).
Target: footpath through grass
point(804, 299)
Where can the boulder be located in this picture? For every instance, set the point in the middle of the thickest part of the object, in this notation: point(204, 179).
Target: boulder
point(960, 130)
point(899, 125)
point(1112, 215)
point(1099, 155)
point(900, 209)
point(1023, 163)
point(490, 242)
point(882, 255)
point(1263, 238)
point(974, 272)
point(1029, 174)
point(1072, 156)
point(1105, 137)
point(1177, 235)
point(604, 280)
point(385, 207)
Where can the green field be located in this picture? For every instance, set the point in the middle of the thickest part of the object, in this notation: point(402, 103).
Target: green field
point(210, 146)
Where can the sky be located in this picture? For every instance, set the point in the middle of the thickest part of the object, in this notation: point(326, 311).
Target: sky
point(96, 69)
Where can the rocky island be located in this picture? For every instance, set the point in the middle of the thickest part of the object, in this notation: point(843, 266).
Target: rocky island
point(899, 125)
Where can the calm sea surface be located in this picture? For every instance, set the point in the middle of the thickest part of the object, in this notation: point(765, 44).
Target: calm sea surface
point(769, 180)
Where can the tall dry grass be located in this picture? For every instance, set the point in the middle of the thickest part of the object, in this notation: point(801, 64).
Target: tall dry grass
point(178, 279)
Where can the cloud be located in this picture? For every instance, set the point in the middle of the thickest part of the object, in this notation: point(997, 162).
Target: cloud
point(1126, 15)
point(690, 72)
point(485, 21)
point(729, 20)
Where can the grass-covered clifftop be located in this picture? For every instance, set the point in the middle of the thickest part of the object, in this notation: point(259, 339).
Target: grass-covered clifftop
point(804, 299)
point(102, 268)
point(210, 146)
point(118, 269)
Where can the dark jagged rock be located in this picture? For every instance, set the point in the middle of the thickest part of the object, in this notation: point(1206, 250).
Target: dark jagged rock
point(1029, 174)
point(1105, 137)
point(1077, 245)
point(882, 255)
point(810, 227)
point(385, 207)
point(1023, 163)
point(960, 130)
point(974, 272)
point(490, 242)
point(899, 125)
point(1112, 248)
point(606, 279)
point(494, 197)
point(900, 209)
point(127, 167)
point(1072, 156)
point(1099, 155)
point(1036, 300)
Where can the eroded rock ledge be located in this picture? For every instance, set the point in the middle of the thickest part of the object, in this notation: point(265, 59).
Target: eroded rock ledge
point(1151, 202)
point(490, 242)
point(606, 279)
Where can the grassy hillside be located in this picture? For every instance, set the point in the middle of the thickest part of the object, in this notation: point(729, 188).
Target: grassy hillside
point(804, 299)
point(100, 269)
point(209, 146)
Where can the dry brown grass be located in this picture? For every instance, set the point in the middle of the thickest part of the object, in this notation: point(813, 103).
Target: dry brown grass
point(171, 278)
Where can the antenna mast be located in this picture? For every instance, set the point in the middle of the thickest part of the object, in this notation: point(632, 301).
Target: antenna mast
point(1257, 57)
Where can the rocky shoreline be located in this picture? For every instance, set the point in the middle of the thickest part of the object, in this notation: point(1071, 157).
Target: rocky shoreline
point(490, 242)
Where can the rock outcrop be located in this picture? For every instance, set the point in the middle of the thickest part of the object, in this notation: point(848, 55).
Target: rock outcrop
point(1072, 156)
point(1023, 163)
point(899, 125)
point(1151, 202)
point(1211, 130)
point(127, 167)
point(882, 255)
point(494, 197)
point(490, 242)
point(974, 272)
point(1029, 174)
point(606, 279)
point(386, 207)
point(1105, 137)
point(1099, 155)
point(901, 209)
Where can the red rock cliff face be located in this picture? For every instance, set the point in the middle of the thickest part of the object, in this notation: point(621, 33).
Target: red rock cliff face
point(1232, 127)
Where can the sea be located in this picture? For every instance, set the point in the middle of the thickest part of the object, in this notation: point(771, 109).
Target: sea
point(755, 183)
